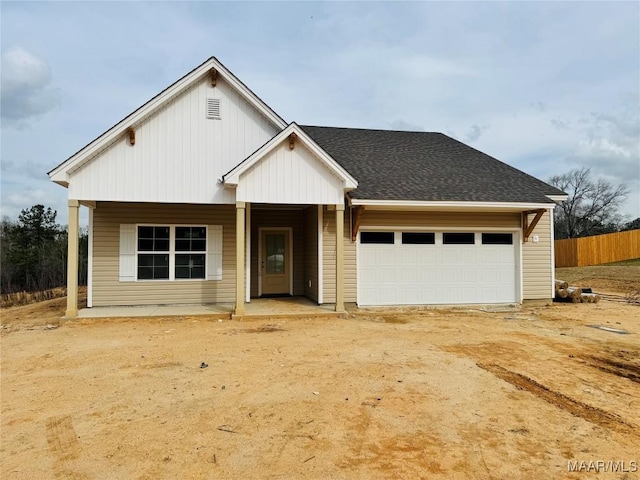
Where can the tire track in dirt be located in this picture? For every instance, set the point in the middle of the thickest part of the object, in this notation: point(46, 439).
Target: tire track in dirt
point(64, 445)
point(614, 367)
point(575, 407)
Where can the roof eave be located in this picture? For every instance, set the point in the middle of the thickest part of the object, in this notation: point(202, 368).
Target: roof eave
point(450, 205)
point(558, 198)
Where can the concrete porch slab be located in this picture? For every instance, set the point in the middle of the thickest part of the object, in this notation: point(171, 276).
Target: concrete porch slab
point(214, 311)
point(288, 307)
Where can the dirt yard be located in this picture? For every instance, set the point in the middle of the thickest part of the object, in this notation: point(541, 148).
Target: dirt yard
point(415, 394)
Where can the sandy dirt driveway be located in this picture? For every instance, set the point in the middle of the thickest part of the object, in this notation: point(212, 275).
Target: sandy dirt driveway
point(528, 393)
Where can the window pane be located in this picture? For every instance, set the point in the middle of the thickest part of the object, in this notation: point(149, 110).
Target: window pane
point(197, 272)
point(418, 238)
point(183, 245)
point(497, 239)
point(191, 239)
point(182, 272)
point(145, 245)
point(161, 245)
point(182, 260)
point(145, 273)
point(153, 266)
point(161, 272)
point(190, 266)
point(198, 245)
point(377, 237)
point(458, 238)
point(183, 232)
point(198, 232)
point(145, 260)
point(145, 232)
point(153, 239)
point(275, 253)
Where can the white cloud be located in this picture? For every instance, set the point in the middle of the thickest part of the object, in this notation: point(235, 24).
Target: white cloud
point(26, 87)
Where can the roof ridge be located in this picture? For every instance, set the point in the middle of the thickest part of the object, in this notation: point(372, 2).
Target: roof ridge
point(372, 129)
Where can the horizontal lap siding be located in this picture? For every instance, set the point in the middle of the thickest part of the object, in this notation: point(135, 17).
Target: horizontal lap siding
point(108, 290)
point(536, 262)
point(329, 258)
point(388, 218)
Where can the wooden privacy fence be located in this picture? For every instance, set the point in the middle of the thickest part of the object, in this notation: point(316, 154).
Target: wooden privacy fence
point(599, 249)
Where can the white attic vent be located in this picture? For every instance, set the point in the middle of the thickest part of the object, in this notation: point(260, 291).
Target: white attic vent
point(213, 108)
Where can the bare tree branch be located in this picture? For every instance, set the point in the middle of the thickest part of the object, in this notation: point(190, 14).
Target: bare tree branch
point(592, 206)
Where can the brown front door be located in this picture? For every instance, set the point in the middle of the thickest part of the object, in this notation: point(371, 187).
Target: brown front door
point(275, 262)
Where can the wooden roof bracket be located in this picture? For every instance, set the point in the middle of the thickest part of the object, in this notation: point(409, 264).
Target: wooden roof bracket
point(213, 76)
point(527, 228)
point(132, 135)
point(292, 140)
point(356, 217)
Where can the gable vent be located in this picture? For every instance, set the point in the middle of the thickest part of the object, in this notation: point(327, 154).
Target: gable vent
point(213, 108)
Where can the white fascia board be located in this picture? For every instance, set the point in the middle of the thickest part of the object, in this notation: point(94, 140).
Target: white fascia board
point(557, 198)
point(60, 174)
point(425, 205)
point(232, 178)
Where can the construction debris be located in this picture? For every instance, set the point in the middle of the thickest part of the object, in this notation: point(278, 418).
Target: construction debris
point(566, 293)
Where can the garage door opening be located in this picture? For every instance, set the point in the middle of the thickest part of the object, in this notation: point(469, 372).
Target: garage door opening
point(437, 267)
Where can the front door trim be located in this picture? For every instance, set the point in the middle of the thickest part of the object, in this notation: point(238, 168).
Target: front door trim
point(290, 255)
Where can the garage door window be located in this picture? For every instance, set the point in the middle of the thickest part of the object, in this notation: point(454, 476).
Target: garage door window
point(377, 237)
point(418, 238)
point(458, 238)
point(497, 239)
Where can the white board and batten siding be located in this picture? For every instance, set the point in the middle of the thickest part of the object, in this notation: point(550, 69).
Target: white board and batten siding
point(113, 274)
point(290, 176)
point(179, 154)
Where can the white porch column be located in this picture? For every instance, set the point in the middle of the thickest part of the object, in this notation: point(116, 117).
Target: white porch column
point(72, 259)
point(248, 254)
point(340, 258)
point(240, 266)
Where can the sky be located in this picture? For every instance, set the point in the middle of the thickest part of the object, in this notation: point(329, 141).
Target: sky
point(543, 86)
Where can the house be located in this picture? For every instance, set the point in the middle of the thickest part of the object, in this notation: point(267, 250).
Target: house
point(206, 195)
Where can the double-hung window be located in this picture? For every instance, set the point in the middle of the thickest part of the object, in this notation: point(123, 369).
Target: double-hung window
point(191, 250)
point(170, 252)
point(153, 253)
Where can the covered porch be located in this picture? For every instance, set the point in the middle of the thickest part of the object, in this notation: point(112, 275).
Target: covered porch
point(286, 195)
point(281, 256)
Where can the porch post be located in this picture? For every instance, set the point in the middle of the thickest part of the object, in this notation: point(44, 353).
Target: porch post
point(340, 258)
point(240, 208)
point(247, 214)
point(72, 259)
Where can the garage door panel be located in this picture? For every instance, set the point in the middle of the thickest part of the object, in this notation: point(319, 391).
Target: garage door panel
point(397, 274)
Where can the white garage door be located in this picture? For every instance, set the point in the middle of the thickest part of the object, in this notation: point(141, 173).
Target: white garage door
point(421, 268)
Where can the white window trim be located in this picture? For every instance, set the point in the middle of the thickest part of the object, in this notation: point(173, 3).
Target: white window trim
point(172, 252)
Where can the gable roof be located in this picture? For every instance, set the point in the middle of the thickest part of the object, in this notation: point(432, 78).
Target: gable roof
point(232, 177)
point(426, 167)
point(75, 161)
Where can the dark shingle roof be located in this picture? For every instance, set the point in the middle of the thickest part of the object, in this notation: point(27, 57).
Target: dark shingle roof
point(393, 165)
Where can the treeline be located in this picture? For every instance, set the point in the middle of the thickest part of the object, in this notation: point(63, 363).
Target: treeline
point(33, 252)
